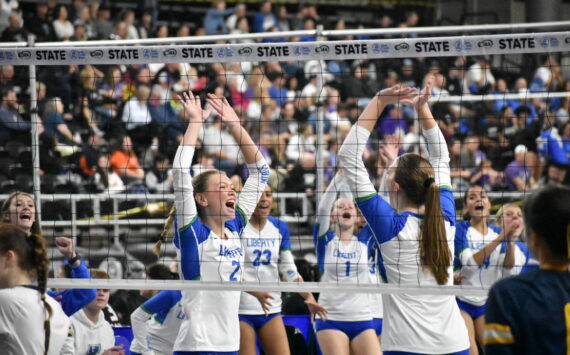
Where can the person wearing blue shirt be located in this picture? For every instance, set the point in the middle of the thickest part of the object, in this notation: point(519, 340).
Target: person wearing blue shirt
point(551, 146)
point(265, 19)
point(214, 21)
point(528, 314)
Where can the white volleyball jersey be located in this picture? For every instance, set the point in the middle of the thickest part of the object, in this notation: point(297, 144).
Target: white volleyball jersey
point(468, 241)
point(268, 258)
point(91, 338)
point(377, 277)
point(430, 324)
point(156, 325)
point(344, 263)
point(211, 322)
point(22, 315)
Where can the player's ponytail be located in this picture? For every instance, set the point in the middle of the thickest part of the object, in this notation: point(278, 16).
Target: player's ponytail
point(415, 175)
point(165, 231)
point(39, 262)
point(434, 250)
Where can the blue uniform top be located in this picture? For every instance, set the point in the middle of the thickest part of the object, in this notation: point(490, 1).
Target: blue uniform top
point(550, 144)
point(528, 314)
point(72, 300)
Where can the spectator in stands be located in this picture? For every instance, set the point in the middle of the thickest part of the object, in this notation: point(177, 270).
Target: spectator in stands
point(288, 122)
point(105, 179)
point(551, 147)
point(125, 163)
point(40, 25)
point(137, 118)
point(90, 98)
point(302, 175)
point(232, 20)
point(15, 32)
point(479, 77)
point(518, 174)
point(471, 156)
point(547, 77)
point(91, 332)
point(54, 123)
point(113, 86)
point(214, 21)
point(242, 27)
point(12, 125)
point(308, 25)
point(459, 175)
point(4, 18)
point(302, 142)
point(61, 25)
point(393, 122)
point(79, 33)
point(158, 179)
point(358, 87)
point(103, 26)
point(145, 28)
point(264, 19)
point(128, 17)
point(277, 91)
point(220, 145)
point(85, 20)
point(282, 20)
point(487, 177)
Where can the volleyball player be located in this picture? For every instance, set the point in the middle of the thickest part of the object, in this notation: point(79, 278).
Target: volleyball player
point(267, 249)
point(156, 323)
point(343, 259)
point(30, 321)
point(209, 222)
point(485, 254)
point(528, 314)
point(20, 209)
point(417, 249)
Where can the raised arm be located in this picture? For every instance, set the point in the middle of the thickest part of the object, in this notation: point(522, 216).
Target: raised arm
point(437, 146)
point(181, 166)
point(350, 154)
point(326, 202)
point(258, 168)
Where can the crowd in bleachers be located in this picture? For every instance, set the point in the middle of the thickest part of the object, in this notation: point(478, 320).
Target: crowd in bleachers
point(115, 128)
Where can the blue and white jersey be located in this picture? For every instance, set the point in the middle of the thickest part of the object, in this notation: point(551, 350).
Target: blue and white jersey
point(211, 322)
point(344, 263)
point(430, 324)
point(156, 323)
point(468, 241)
point(551, 145)
point(267, 257)
point(377, 276)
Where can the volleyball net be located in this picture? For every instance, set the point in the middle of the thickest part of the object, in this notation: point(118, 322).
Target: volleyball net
point(297, 100)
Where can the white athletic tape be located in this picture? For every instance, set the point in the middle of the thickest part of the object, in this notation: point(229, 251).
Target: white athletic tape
point(265, 286)
point(295, 51)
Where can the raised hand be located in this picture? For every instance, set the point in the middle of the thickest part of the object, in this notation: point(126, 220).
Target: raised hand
point(397, 94)
point(65, 247)
point(389, 150)
point(193, 107)
point(423, 97)
point(223, 109)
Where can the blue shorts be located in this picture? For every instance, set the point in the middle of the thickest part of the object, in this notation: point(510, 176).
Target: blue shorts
point(473, 311)
point(257, 322)
point(205, 353)
point(462, 352)
point(351, 329)
point(377, 324)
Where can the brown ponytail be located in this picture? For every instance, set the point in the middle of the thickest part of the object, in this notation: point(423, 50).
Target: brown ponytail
point(165, 231)
point(434, 250)
point(415, 175)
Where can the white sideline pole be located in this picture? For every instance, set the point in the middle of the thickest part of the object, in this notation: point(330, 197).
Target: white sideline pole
point(35, 120)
